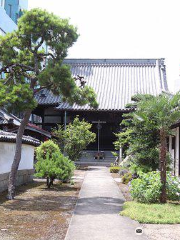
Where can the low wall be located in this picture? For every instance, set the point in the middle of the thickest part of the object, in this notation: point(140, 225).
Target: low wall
point(24, 176)
point(26, 169)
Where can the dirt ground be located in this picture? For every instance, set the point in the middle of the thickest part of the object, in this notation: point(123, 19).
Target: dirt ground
point(123, 187)
point(38, 213)
point(152, 231)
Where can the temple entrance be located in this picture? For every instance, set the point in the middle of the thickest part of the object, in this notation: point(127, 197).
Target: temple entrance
point(104, 136)
point(104, 124)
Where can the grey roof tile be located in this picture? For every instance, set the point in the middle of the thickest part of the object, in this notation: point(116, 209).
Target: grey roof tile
point(115, 81)
point(46, 97)
point(11, 137)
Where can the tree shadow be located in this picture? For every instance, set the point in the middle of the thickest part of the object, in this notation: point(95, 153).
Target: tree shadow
point(86, 206)
point(95, 168)
point(21, 189)
point(41, 184)
point(99, 205)
point(42, 203)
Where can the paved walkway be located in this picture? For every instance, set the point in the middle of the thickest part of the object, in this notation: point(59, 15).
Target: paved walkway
point(96, 215)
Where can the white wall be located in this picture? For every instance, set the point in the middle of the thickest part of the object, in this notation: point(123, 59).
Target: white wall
point(7, 151)
point(177, 153)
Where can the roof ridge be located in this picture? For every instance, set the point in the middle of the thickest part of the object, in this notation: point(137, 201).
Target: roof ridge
point(114, 58)
point(11, 137)
point(121, 62)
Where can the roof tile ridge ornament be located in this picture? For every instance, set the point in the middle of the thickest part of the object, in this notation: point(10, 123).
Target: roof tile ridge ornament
point(163, 69)
point(160, 63)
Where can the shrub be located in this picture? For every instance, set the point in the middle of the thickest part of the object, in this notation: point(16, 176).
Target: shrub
point(48, 147)
point(114, 169)
point(127, 178)
point(147, 187)
point(75, 138)
point(52, 164)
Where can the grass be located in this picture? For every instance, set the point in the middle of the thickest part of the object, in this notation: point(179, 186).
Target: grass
point(168, 213)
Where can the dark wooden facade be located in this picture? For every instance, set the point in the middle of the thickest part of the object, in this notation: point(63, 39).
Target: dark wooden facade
point(109, 123)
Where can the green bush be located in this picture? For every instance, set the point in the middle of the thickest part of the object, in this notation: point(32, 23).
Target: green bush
point(48, 147)
point(127, 178)
point(75, 138)
point(52, 164)
point(114, 169)
point(147, 188)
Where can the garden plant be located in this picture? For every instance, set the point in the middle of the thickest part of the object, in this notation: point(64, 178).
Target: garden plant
point(52, 164)
point(146, 130)
point(75, 138)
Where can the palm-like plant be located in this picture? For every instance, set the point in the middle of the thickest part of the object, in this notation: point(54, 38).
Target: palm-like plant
point(161, 111)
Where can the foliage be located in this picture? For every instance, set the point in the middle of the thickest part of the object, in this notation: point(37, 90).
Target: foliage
point(139, 141)
point(114, 169)
point(48, 147)
point(74, 138)
point(127, 178)
point(52, 164)
point(140, 135)
point(137, 167)
point(146, 131)
point(147, 188)
point(160, 111)
point(32, 58)
point(152, 213)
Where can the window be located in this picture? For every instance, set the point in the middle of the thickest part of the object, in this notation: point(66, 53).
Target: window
point(2, 3)
point(17, 16)
point(10, 10)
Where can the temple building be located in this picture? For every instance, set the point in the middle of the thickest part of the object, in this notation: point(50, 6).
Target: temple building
point(114, 81)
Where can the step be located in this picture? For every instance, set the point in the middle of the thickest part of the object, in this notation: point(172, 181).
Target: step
point(87, 163)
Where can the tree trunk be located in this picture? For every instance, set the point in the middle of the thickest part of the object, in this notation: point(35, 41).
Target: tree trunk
point(47, 182)
point(50, 182)
point(163, 150)
point(17, 156)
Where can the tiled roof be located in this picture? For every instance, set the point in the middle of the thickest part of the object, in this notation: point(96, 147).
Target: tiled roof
point(115, 81)
point(11, 137)
point(6, 118)
point(35, 128)
point(46, 97)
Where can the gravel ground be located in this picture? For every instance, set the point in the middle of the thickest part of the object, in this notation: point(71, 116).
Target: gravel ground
point(153, 231)
point(162, 231)
point(38, 213)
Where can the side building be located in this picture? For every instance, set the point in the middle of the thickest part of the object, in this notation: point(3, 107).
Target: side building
point(10, 11)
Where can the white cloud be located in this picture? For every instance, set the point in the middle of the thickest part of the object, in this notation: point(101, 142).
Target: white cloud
point(123, 29)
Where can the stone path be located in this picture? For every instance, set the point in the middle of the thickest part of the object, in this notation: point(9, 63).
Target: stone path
point(96, 215)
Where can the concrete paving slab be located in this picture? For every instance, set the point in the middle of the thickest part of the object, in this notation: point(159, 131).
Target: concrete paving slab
point(96, 216)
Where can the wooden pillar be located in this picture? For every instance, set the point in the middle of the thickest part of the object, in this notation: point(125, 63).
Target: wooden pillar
point(65, 120)
point(177, 153)
point(43, 119)
point(120, 154)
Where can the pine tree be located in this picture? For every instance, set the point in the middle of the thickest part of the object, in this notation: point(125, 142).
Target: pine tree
point(32, 59)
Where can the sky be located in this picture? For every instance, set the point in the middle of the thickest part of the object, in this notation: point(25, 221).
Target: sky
point(124, 29)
